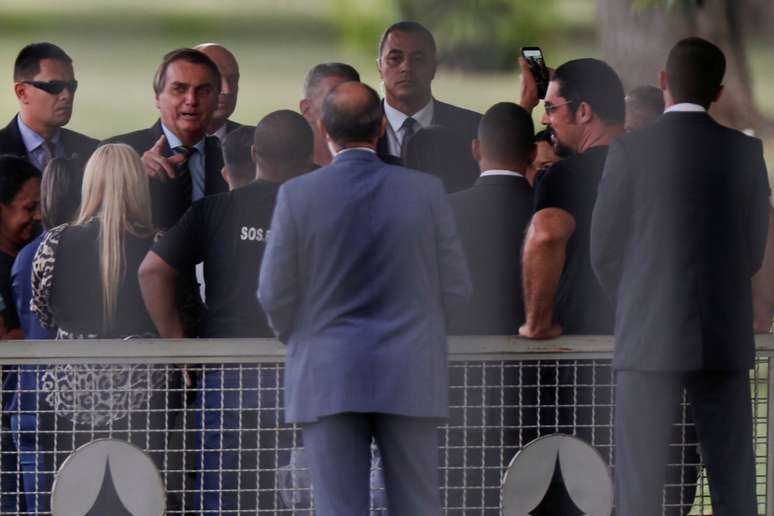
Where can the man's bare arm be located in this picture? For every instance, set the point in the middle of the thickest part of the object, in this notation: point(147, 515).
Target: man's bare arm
point(544, 256)
point(157, 283)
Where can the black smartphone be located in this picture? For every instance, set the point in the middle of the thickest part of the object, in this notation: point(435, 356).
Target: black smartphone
point(537, 66)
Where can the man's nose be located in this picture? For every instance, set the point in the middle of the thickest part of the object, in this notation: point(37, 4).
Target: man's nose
point(225, 87)
point(190, 96)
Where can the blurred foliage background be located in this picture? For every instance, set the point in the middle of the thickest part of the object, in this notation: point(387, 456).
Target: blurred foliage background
point(117, 44)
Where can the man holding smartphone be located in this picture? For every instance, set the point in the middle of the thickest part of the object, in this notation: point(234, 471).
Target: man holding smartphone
point(584, 111)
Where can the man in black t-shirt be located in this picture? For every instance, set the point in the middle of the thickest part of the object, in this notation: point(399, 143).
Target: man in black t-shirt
point(584, 111)
point(228, 232)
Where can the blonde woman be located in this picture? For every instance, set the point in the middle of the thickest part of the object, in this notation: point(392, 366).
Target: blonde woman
point(84, 283)
point(85, 274)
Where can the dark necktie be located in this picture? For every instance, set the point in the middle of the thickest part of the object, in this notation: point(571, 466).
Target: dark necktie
point(409, 127)
point(184, 173)
point(48, 153)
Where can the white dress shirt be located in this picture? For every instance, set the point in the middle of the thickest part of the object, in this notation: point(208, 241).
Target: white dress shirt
point(685, 107)
point(195, 162)
point(395, 119)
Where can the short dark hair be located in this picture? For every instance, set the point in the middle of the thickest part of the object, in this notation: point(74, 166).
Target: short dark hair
point(695, 69)
point(60, 191)
point(27, 64)
point(648, 97)
point(283, 140)
point(183, 54)
point(596, 83)
point(352, 119)
point(406, 26)
point(544, 135)
point(14, 172)
point(325, 70)
point(236, 153)
point(507, 132)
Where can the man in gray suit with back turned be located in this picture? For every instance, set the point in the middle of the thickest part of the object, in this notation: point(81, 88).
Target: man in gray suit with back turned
point(678, 230)
point(362, 267)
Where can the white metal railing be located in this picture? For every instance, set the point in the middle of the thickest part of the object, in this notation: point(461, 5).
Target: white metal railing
point(504, 392)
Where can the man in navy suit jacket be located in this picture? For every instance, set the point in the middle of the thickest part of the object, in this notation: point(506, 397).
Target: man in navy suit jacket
point(678, 230)
point(362, 267)
point(184, 164)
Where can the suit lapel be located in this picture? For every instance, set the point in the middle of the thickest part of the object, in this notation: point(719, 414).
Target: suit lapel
point(213, 163)
point(441, 114)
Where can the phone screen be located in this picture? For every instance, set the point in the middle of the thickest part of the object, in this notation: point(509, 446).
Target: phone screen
point(537, 66)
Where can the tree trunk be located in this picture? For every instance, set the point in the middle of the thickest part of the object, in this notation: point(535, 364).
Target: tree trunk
point(636, 44)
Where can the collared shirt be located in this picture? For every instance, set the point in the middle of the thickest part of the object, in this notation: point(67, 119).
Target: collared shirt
point(369, 149)
point(395, 119)
point(195, 162)
point(685, 107)
point(498, 172)
point(33, 142)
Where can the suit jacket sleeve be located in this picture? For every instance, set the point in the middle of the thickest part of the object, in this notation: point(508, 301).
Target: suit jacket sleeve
point(278, 284)
point(758, 209)
point(456, 285)
point(611, 220)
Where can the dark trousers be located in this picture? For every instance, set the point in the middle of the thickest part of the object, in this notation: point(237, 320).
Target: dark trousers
point(338, 454)
point(646, 407)
point(227, 441)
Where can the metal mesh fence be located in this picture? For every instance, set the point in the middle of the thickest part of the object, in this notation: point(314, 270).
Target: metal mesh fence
point(222, 446)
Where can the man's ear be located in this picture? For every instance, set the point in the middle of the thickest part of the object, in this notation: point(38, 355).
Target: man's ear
point(584, 113)
point(475, 149)
point(20, 89)
point(721, 89)
point(662, 80)
point(303, 106)
point(383, 126)
point(532, 154)
point(224, 174)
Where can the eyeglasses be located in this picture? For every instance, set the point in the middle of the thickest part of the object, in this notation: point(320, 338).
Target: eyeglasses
point(550, 108)
point(54, 87)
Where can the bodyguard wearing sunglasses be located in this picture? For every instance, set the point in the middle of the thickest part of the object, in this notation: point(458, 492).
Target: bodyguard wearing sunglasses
point(45, 86)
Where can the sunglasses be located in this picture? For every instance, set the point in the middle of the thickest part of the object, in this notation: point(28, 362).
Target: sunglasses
point(54, 87)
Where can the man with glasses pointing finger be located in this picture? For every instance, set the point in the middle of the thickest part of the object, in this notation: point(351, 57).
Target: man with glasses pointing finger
point(45, 86)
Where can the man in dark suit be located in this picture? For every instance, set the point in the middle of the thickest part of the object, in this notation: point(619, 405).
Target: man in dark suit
point(221, 125)
point(183, 163)
point(678, 230)
point(491, 219)
point(407, 65)
point(360, 273)
point(45, 86)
